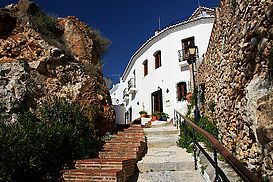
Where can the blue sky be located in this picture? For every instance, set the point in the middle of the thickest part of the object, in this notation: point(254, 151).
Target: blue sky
point(126, 23)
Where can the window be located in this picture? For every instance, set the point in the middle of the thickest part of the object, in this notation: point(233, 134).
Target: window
point(181, 91)
point(157, 56)
point(145, 65)
point(185, 44)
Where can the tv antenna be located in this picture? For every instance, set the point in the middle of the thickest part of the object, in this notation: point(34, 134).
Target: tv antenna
point(159, 27)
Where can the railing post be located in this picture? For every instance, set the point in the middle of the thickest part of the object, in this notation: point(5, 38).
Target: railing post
point(176, 119)
point(184, 131)
point(180, 123)
point(194, 150)
point(216, 165)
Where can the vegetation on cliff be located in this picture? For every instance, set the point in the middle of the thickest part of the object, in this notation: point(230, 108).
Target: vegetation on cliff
point(54, 103)
point(42, 143)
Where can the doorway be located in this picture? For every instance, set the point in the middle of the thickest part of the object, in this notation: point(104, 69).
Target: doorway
point(157, 102)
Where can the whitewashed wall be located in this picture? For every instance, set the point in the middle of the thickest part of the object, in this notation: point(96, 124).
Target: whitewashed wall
point(169, 74)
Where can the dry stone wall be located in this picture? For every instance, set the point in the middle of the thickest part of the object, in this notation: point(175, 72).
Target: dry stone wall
point(237, 73)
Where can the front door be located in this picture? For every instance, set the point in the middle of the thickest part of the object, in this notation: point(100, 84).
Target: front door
point(157, 103)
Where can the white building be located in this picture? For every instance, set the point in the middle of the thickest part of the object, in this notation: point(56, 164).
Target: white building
point(157, 76)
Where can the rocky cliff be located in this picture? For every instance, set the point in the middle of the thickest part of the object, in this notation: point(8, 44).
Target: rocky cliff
point(41, 56)
point(237, 77)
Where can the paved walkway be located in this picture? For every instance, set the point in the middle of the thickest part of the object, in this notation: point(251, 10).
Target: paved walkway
point(165, 161)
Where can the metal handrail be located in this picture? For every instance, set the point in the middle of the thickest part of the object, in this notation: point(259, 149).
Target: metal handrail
point(238, 167)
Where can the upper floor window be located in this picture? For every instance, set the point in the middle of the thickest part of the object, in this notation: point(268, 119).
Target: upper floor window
point(145, 67)
point(185, 43)
point(181, 91)
point(157, 56)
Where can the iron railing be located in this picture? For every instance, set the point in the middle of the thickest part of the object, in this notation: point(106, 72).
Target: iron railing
point(183, 55)
point(125, 93)
point(131, 83)
point(181, 122)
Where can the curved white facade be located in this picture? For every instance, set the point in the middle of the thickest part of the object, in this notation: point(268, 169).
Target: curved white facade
point(166, 77)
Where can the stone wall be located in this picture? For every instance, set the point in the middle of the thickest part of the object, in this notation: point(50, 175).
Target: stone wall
point(41, 56)
point(237, 73)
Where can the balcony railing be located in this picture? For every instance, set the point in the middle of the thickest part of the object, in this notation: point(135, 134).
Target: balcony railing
point(131, 86)
point(125, 95)
point(182, 56)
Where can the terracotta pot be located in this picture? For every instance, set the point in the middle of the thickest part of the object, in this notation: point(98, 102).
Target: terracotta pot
point(188, 97)
point(154, 118)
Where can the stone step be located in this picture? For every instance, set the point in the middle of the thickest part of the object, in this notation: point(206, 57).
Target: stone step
point(168, 166)
point(166, 159)
point(162, 141)
point(164, 176)
point(162, 131)
point(81, 175)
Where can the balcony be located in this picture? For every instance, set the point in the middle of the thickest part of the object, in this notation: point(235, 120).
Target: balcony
point(182, 56)
point(132, 86)
point(125, 95)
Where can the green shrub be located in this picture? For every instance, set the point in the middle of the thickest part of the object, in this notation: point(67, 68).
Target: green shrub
point(186, 140)
point(210, 127)
point(38, 148)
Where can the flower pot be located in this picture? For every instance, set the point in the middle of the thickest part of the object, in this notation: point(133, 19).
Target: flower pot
point(154, 118)
point(163, 119)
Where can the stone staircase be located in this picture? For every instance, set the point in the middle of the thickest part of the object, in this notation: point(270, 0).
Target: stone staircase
point(165, 161)
point(116, 162)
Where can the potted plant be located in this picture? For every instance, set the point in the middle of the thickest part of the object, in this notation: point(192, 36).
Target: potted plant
point(155, 116)
point(163, 116)
point(143, 113)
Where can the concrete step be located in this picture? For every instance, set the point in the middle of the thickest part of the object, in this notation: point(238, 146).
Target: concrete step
point(166, 159)
point(162, 131)
point(164, 176)
point(162, 141)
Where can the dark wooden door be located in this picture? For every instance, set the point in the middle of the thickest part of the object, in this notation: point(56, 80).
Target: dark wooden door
point(157, 102)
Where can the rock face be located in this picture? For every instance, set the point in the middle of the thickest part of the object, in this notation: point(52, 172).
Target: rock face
point(41, 56)
point(237, 74)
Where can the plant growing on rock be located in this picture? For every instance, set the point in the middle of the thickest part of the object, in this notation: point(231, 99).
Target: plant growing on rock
point(39, 145)
point(40, 22)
